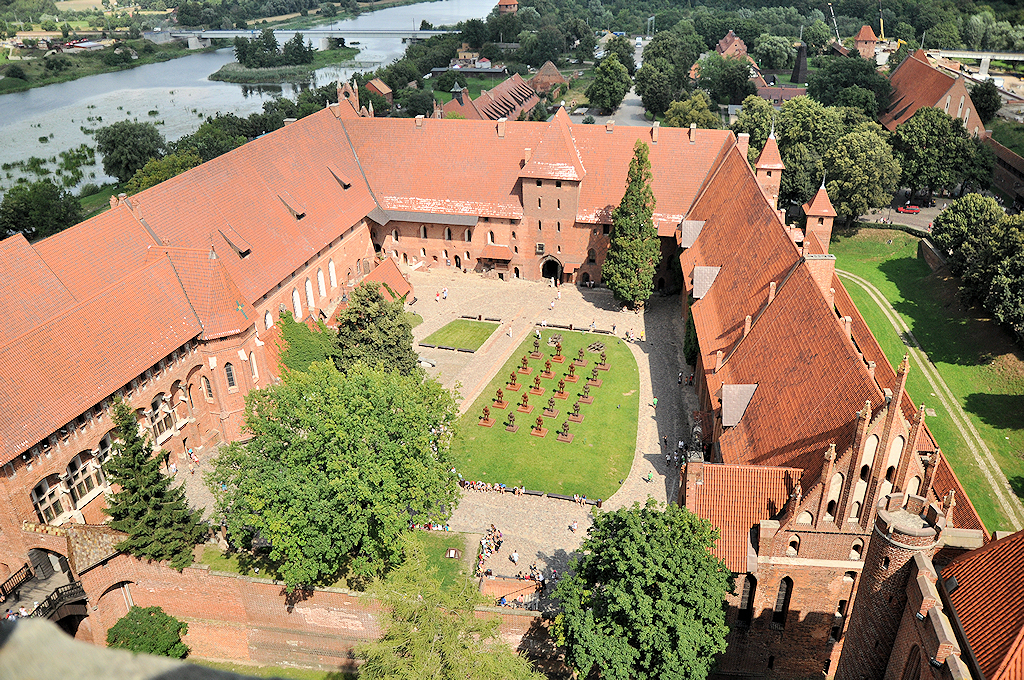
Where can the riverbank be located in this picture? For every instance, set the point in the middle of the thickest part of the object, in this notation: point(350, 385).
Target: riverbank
point(236, 73)
point(75, 66)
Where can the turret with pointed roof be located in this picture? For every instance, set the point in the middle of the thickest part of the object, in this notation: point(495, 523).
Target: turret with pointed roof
point(768, 170)
point(820, 213)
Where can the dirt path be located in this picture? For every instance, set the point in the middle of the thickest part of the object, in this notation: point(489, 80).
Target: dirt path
point(1004, 495)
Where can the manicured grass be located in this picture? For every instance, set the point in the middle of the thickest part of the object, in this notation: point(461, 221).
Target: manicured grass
point(275, 671)
point(974, 356)
point(601, 453)
point(462, 334)
point(414, 318)
point(1009, 134)
point(474, 85)
point(98, 202)
point(450, 572)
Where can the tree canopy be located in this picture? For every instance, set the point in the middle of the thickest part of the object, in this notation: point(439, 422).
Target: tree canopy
point(696, 109)
point(38, 210)
point(159, 169)
point(644, 596)
point(861, 171)
point(726, 79)
point(633, 248)
point(934, 150)
point(149, 630)
point(987, 100)
point(774, 52)
point(127, 147)
point(375, 331)
point(836, 74)
point(338, 466)
point(611, 83)
point(431, 631)
point(623, 48)
point(155, 515)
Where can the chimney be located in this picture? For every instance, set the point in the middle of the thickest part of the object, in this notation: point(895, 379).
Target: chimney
point(821, 268)
point(871, 368)
point(528, 154)
point(832, 298)
point(771, 292)
point(743, 142)
point(848, 327)
point(123, 199)
point(113, 201)
point(609, 126)
point(718, 361)
point(419, 121)
point(746, 326)
point(693, 133)
point(654, 132)
point(501, 128)
point(289, 121)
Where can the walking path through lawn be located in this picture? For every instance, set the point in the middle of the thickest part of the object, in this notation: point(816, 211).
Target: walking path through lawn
point(1000, 486)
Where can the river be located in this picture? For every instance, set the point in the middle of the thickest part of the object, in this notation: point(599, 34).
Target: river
point(176, 94)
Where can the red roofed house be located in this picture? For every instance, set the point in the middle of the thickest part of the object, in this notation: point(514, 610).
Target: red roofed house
point(814, 448)
point(917, 84)
point(731, 46)
point(507, 99)
point(380, 87)
point(508, 6)
point(865, 42)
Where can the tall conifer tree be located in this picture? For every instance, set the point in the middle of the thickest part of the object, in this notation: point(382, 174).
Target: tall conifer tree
point(633, 249)
point(156, 517)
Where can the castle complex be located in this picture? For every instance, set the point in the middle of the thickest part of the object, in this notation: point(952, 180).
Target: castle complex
point(834, 502)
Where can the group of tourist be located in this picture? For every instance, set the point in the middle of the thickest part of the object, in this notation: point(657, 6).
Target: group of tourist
point(537, 574)
point(580, 500)
point(488, 486)
point(489, 545)
point(21, 613)
point(517, 603)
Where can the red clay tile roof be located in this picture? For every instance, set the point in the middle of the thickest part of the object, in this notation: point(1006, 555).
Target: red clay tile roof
point(556, 157)
point(30, 290)
point(735, 498)
point(97, 252)
point(547, 76)
point(915, 84)
point(865, 34)
point(988, 603)
point(391, 280)
point(50, 375)
point(508, 3)
point(728, 41)
point(379, 86)
point(770, 158)
point(221, 308)
point(820, 205)
point(507, 99)
point(496, 252)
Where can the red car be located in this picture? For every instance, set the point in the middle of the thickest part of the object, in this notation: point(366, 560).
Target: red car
point(912, 209)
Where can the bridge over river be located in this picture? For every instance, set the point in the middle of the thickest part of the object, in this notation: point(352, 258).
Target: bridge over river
point(984, 57)
point(284, 35)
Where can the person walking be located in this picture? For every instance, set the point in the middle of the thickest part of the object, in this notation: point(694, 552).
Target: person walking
point(437, 296)
point(514, 557)
point(575, 525)
point(444, 293)
point(655, 403)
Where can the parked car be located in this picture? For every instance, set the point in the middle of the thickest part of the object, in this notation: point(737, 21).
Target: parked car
point(912, 209)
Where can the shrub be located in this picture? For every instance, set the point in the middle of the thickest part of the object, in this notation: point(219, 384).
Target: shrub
point(149, 630)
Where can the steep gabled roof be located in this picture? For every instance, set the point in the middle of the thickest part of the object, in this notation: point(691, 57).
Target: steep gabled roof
point(820, 205)
point(556, 157)
point(915, 84)
point(393, 285)
point(735, 498)
point(987, 600)
point(770, 158)
point(730, 40)
point(30, 290)
point(62, 367)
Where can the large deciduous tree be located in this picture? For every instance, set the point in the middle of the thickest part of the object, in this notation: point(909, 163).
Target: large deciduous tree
point(1006, 290)
point(838, 73)
point(156, 517)
point(161, 169)
point(654, 85)
point(431, 631)
point(149, 630)
point(374, 331)
point(934, 150)
point(727, 79)
point(633, 247)
point(755, 118)
point(862, 173)
point(127, 147)
point(696, 109)
point(774, 52)
point(644, 597)
point(38, 210)
point(338, 466)
point(621, 47)
point(611, 83)
point(969, 230)
point(987, 100)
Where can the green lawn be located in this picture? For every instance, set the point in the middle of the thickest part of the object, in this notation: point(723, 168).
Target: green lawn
point(475, 86)
point(275, 671)
point(434, 545)
point(975, 357)
point(414, 318)
point(1009, 134)
point(462, 334)
point(601, 453)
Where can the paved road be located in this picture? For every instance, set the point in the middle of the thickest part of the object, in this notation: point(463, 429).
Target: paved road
point(997, 481)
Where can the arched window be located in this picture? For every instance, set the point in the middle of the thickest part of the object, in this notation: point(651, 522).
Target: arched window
point(538, 201)
point(81, 479)
point(467, 257)
point(913, 486)
point(296, 305)
point(592, 256)
point(423, 231)
point(782, 603)
point(359, 263)
point(830, 511)
point(857, 551)
point(46, 499)
point(268, 320)
point(513, 236)
point(890, 474)
point(207, 388)
point(885, 563)
point(559, 206)
point(967, 116)
point(946, 107)
point(253, 368)
point(229, 372)
point(835, 488)
point(490, 237)
point(865, 472)
point(310, 300)
point(805, 517)
point(558, 226)
point(423, 252)
point(468, 235)
point(160, 420)
point(321, 286)
point(960, 109)
point(912, 669)
point(794, 545)
point(366, 266)
point(332, 274)
point(855, 511)
point(447, 233)
point(394, 235)
point(746, 608)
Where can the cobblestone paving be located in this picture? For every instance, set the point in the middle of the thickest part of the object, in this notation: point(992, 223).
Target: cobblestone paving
point(538, 527)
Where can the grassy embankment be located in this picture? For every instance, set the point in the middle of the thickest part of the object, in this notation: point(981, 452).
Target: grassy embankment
point(82, 65)
point(975, 357)
point(236, 73)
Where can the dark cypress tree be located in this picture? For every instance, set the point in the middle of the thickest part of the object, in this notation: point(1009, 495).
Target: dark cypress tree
point(633, 248)
point(156, 517)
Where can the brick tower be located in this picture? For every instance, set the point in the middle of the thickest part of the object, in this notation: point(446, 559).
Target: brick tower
point(768, 170)
point(904, 526)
